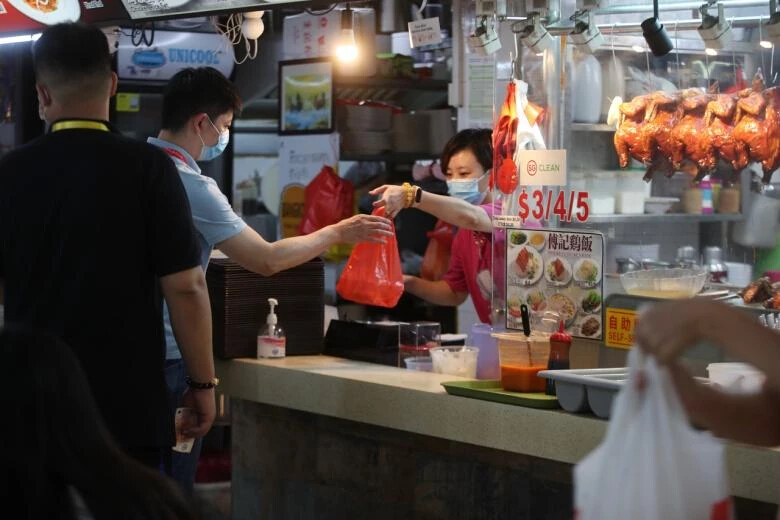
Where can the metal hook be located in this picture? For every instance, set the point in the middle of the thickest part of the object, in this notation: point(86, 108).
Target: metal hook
point(677, 51)
point(760, 39)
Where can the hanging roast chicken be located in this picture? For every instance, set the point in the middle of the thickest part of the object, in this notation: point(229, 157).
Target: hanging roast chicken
point(691, 130)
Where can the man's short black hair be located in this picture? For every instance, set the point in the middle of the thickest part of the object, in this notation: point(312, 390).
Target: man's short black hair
point(72, 57)
point(196, 91)
point(478, 141)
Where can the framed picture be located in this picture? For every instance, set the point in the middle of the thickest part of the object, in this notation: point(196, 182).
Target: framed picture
point(306, 96)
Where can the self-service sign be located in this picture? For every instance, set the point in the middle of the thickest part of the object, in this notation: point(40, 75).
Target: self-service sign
point(542, 167)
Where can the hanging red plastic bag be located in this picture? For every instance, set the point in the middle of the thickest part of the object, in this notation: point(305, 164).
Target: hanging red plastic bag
point(373, 274)
point(437, 255)
point(329, 199)
point(652, 464)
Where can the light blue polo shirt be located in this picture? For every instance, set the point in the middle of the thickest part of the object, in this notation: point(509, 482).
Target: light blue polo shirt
point(212, 215)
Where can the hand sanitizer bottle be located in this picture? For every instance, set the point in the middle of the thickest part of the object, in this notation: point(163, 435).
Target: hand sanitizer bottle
point(270, 339)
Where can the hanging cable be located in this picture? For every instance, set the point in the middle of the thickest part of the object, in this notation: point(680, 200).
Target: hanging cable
point(329, 9)
point(139, 35)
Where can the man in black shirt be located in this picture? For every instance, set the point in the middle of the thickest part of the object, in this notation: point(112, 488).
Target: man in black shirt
point(92, 226)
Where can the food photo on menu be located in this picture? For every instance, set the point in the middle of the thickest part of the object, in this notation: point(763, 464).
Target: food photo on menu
point(555, 271)
point(46, 12)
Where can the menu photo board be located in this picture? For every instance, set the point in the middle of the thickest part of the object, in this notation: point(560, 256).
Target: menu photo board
point(20, 16)
point(558, 271)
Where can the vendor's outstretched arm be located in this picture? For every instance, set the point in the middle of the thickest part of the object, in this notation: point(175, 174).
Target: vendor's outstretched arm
point(438, 293)
point(449, 209)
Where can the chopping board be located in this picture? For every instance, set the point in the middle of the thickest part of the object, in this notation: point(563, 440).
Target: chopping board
point(490, 390)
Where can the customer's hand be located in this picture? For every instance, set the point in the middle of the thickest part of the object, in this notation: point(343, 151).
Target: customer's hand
point(665, 330)
point(393, 199)
point(364, 228)
point(202, 401)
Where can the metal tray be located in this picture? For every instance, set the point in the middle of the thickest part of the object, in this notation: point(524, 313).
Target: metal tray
point(490, 390)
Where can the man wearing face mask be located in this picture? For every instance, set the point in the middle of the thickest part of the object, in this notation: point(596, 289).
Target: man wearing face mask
point(198, 110)
point(466, 161)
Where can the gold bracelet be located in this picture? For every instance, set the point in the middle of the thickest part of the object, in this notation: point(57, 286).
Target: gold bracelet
point(408, 194)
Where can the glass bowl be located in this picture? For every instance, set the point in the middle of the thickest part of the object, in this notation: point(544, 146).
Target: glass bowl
point(668, 283)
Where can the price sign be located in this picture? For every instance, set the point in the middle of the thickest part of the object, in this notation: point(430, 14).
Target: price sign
point(424, 32)
point(538, 205)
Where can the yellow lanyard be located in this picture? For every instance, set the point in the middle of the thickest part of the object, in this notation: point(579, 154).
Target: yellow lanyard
point(80, 125)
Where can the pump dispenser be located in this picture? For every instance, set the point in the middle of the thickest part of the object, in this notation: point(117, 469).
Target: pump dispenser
point(271, 342)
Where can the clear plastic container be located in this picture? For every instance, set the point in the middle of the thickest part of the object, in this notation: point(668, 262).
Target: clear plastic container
point(455, 361)
point(669, 283)
point(419, 364)
point(521, 359)
point(601, 187)
point(631, 193)
point(416, 339)
point(736, 378)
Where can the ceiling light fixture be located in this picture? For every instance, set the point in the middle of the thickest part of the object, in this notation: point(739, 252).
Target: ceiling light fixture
point(714, 30)
point(709, 51)
point(346, 49)
point(535, 36)
point(7, 40)
point(655, 34)
point(586, 34)
point(252, 26)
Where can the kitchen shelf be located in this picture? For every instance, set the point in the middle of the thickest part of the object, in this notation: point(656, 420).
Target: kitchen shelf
point(589, 127)
point(392, 157)
point(667, 218)
point(390, 83)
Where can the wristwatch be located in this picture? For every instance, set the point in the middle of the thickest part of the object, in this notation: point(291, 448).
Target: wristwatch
point(197, 385)
point(418, 194)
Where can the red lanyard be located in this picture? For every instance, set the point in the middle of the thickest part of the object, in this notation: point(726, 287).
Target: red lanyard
point(176, 154)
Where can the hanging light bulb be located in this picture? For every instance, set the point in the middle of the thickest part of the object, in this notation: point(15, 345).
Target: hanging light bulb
point(346, 49)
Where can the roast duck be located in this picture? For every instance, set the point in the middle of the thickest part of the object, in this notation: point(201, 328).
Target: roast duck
point(762, 291)
point(692, 130)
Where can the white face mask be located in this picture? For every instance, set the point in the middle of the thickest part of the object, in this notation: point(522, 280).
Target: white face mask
point(467, 189)
point(212, 152)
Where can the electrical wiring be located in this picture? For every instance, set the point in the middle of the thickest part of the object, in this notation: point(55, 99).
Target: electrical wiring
point(138, 34)
point(231, 30)
point(329, 9)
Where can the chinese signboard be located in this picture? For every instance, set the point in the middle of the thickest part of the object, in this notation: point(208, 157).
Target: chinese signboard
point(619, 328)
point(559, 272)
point(18, 16)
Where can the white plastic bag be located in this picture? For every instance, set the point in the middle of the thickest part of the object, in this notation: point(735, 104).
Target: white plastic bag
point(652, 465)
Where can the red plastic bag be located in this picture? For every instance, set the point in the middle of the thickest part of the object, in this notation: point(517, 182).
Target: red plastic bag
point(373, 274)
point(437, 255)
point(329, 199)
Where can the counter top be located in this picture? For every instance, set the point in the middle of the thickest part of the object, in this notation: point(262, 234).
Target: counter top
point(416, 402)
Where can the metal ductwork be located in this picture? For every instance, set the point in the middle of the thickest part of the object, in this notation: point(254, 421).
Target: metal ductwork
point(394, 15)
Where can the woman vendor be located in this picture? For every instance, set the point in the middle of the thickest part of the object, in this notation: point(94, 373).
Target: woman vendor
point(466, 161)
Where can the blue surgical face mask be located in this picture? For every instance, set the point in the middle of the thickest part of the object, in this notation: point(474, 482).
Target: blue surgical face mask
point(212, 152)
point(467, 189)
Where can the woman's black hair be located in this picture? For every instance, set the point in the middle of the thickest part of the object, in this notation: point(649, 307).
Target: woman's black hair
point(478, 141)
point(54, 441)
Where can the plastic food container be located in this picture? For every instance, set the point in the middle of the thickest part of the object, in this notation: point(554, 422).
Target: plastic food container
point(631, 193)
point(420, 363)
point(455, 361)
point(521, 359)
point(601, 188)
point(487, 361)
point(736, 378)
point(660, 205)
point(665, 283)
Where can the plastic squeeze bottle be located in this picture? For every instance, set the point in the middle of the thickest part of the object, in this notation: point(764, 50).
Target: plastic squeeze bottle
point(560, 343)
point(271, 342)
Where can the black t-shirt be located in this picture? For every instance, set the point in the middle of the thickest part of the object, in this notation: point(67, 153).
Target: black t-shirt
point(89, 222)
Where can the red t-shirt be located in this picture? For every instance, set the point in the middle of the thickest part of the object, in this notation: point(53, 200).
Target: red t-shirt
point(471, 264)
